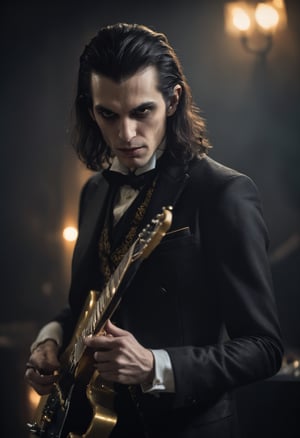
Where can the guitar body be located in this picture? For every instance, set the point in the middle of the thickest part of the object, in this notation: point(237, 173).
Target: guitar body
point(81, 404)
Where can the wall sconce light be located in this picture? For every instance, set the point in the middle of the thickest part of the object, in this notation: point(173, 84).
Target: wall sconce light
point(255, 23)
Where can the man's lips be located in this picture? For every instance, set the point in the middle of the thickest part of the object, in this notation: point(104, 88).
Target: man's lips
point(130, 150)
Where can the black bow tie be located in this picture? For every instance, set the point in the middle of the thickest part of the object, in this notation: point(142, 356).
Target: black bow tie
point(130, 179)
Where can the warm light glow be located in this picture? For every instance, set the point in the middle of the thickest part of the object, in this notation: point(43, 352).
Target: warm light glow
point(240, 19)
point(70, 234)
point(266, 16)
point(255, 23)
point(33, 399)
point(279, 4)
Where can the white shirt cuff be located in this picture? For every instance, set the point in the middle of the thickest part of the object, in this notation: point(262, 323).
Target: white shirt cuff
point(163, 374)
point(52, 330)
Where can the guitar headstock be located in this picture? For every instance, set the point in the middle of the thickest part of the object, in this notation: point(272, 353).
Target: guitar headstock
point(152, 234)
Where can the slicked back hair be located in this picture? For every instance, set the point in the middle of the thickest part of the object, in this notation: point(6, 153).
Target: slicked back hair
point(118, 52)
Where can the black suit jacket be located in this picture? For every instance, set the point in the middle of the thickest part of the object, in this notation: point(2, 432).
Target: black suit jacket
point(204, 294)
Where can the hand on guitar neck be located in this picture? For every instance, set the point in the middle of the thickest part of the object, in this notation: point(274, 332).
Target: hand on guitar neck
point(120, 358)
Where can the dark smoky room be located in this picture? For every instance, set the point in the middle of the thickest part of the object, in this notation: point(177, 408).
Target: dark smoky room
point(242, 63)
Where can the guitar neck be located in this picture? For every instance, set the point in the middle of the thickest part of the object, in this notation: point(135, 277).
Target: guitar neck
point(104, 306)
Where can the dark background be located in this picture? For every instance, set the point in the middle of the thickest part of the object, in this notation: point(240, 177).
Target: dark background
point(252, 108)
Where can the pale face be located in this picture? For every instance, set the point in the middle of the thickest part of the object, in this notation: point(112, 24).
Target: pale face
point(131, 115)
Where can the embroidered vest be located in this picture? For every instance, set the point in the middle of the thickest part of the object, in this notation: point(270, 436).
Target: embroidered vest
point(115, 240)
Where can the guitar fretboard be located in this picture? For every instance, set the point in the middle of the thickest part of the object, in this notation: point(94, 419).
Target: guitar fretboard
point(95, 322)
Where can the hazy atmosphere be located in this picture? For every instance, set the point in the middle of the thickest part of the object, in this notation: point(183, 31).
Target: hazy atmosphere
point(250, 103)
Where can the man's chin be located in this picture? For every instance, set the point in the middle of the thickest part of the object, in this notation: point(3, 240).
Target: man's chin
point(134, 163)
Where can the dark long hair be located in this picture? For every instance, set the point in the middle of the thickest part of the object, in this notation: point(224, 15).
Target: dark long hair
point(118, 51)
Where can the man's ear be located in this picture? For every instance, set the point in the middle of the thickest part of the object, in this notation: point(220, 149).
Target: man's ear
point(174, 100)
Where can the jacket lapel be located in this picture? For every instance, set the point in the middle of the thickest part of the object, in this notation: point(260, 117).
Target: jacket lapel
point(93, 215)
point(169, 187)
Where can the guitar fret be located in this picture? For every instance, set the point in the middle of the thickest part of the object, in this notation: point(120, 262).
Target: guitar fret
point(78, 350)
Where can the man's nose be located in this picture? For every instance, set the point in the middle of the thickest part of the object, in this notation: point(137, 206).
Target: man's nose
point(127, 129)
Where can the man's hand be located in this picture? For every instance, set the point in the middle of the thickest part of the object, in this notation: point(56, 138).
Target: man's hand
point(42, 367)
point(120, 358)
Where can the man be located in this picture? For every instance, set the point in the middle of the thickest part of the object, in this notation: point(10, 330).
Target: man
point(198, 319)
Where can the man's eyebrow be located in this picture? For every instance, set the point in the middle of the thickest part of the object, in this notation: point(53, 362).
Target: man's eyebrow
point(143, 105)
point(147, 104)
point(103, 108)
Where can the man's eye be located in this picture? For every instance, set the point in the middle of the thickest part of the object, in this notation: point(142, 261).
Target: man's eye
point(106, 114)
point(142, 112)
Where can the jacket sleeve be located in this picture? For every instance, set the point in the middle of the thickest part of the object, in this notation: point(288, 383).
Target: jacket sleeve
point(236, 245)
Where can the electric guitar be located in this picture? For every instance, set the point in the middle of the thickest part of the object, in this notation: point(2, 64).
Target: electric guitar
point(81, 403)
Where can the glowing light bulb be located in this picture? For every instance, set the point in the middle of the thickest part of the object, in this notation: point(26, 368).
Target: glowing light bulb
point(70, 234)
point(240, 19)
point(266, 16)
